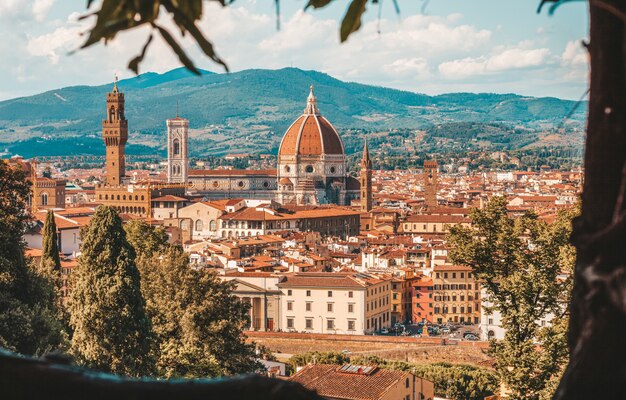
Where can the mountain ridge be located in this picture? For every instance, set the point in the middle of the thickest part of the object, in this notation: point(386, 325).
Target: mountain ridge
point(257, 104)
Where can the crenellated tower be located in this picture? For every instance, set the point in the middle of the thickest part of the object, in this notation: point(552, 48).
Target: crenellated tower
point(115, 135)
point(366, 180)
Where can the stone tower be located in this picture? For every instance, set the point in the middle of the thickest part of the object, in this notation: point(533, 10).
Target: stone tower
point(115, 135)
point(430, 183)
point(177, 153)
point(366, 180)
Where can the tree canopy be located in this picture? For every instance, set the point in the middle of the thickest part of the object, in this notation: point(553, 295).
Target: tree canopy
point(525, 265)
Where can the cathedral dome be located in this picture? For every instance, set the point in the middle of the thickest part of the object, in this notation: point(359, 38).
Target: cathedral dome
point(311, 134)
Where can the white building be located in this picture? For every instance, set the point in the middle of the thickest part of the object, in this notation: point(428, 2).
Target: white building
point(336, 303)
point(177, 153)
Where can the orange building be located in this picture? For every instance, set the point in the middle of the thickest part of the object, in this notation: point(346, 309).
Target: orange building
point(422, 300)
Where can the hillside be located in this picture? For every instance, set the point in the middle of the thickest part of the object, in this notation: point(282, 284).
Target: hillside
point(249, 111)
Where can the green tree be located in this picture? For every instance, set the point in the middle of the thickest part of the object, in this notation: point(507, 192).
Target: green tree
point(28, 323)
point(50, 260)
point(197, 321)
point(525, 265)
point(107, 312)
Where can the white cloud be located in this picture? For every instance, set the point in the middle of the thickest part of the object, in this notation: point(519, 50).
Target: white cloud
point(41, 8)
point(510, 59)
point(574, 54)
point(52, 45)
point(410, 67)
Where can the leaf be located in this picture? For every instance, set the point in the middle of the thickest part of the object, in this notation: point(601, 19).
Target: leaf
point(133, 65)
point(182, 56)
point(352, 20)
point(317, 3)
point(555, 4)
point(206, 46)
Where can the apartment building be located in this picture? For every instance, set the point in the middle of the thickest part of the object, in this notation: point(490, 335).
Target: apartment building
point(432, 224)
point(342, 303)
point(422, 300)
point(456, 294)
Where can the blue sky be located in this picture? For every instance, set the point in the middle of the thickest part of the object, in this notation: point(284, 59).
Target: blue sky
point(498, 46)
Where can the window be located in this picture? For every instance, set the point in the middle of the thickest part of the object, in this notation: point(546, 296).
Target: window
point(454, 275)
point(212, 225)
point(290, 306)
point(199, 225)
point(176, 147)
point(350, 308)
point(330, 324)
point(289, 322)
point(437, 274)
point(350, 294)
point(407, 382)
point(308, 169)
point(308, 306)
point(289, 292)
point(329, 307)
point(44, 199)
point(309, 323)
point(445, 275)
point(462, 274)
point(490, 321)
point(330, 293)
point(308, 293)
point(351, 325)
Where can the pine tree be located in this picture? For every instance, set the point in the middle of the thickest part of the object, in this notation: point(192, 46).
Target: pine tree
point(525, 265)
point(111, 330)
point(28, 322)
point(50, 260)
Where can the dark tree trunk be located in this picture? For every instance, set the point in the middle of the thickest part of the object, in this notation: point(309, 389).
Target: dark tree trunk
point(597, 336)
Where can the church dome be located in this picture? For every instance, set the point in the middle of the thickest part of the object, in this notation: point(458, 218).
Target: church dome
point(311, 134)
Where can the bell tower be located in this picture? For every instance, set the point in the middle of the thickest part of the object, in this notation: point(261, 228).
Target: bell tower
point(430, 183)
point(115, 135)
point(366, 180)
point(177, 153)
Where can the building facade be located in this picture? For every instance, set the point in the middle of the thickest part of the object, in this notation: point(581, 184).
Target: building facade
point(177, 151)
point(430, 183)
point(338, 303)
point(456, 295)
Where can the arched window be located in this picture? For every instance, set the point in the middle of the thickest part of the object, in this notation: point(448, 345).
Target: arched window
point(111, 114)
point(118, 196)
point(44, 199)
point(176, 147)
point(106, 197)
point(136, 198)
point(212, 225)
point(199, 226)
point(124, 197)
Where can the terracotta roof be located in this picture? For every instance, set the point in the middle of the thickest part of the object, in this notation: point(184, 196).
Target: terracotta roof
point(330, 382)
point(323, 280)
point(446, 219)
point(169, 197)
point(447, 267)
point(310, 135)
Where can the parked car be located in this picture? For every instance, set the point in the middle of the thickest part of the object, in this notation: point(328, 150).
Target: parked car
point(445, 329)
point(384, 331)
point(471, 337)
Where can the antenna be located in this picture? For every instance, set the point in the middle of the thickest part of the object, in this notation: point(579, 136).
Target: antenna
point(176, 108)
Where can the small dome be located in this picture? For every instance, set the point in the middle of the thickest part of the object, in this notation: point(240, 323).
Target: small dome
point(311, 134)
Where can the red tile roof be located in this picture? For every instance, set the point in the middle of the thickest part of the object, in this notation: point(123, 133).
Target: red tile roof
point(328, 381)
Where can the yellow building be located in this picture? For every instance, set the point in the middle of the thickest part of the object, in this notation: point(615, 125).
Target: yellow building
point(456, 294)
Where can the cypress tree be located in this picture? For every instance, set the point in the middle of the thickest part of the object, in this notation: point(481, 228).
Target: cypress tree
point(107, 311)
point(50, 260)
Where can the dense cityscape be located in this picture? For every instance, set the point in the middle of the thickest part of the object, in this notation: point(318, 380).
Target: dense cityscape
point(314, 253)
point(279, 200)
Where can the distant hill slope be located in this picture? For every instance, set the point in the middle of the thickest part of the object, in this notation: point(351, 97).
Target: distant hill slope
point(248, 111)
